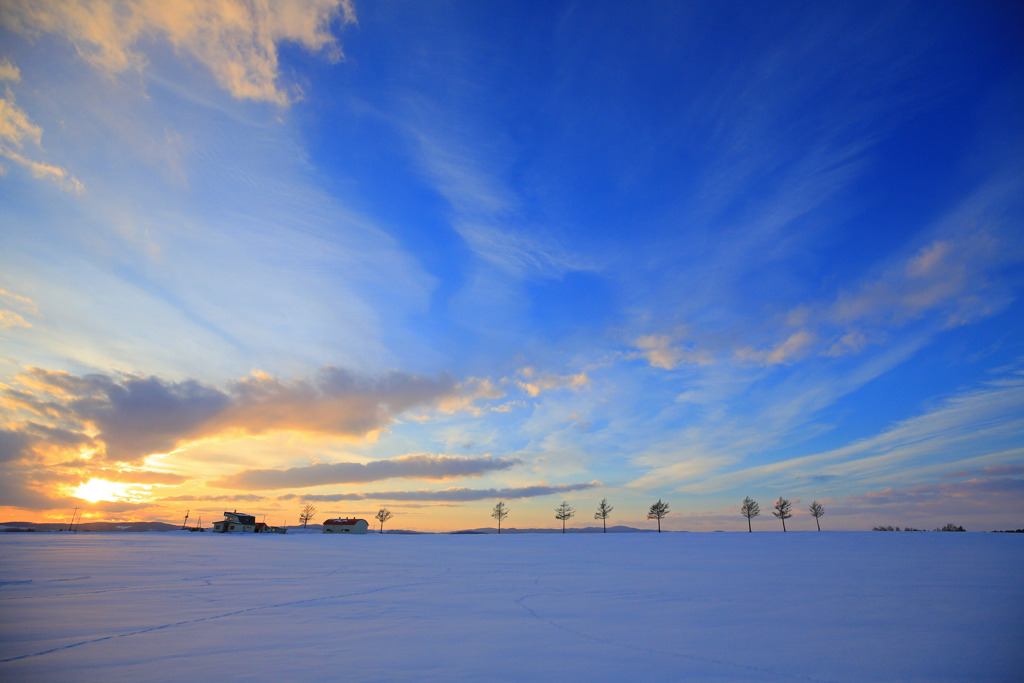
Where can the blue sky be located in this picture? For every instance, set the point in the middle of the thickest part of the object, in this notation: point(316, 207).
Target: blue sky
point(436, 255)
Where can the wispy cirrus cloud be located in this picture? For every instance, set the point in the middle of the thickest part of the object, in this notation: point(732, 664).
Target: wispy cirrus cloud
point(978, 423)
point(438, 467)
point(1008, 470)
point(464, 166)
point(714, 418)
point(778, 141)
point(14, 308)
point(771, 165)
point(953, 275)
point(950, 276)
point(791, 349)
point(17, 129)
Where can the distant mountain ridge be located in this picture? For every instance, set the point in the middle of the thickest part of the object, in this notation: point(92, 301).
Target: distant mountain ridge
point(90, 526)
point(139, 527)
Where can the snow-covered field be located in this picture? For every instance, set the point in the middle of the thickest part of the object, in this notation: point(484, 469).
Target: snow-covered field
point(726, 606)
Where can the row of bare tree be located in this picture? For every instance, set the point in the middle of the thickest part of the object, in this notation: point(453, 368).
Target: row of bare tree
point(782, 509)
point(565, 512)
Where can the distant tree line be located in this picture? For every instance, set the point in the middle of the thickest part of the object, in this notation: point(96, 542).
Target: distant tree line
point(947, 527)
point(782, 509)
point(564, 512)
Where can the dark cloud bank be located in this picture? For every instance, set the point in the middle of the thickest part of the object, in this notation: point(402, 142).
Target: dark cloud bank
point(456, 495)
point(406, 467)
point(138, 416)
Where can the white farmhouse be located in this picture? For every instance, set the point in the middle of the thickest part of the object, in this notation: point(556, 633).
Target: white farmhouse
point(345, 526)
point(235, 522)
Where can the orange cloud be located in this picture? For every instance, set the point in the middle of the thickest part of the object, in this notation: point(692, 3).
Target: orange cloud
point(133, 417)
point(13, 308)
point(459, 494)
point(236, 40)
point(661, 352)
point(16, 129)
point(533, 383)
point(794, 347)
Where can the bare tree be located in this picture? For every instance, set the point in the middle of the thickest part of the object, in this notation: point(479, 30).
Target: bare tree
point(750, 509)
point(564, 512)
point(383, 515)
point(604, 510)
point(782, 510)
point(500, 512)
point(816, 511)
point(306, 515)
point(658, 511)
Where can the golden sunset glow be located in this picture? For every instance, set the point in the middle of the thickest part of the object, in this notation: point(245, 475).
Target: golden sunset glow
point(96, 490)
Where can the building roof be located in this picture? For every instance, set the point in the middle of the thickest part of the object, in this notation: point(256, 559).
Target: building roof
point(343, 522)
point(240, 517)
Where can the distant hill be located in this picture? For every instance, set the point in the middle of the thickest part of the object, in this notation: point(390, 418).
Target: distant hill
point(583, 530)
point(91, 526)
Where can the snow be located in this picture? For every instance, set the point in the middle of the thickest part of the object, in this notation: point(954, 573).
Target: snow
point(728, 606)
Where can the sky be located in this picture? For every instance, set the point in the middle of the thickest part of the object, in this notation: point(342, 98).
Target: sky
point(433, 256)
